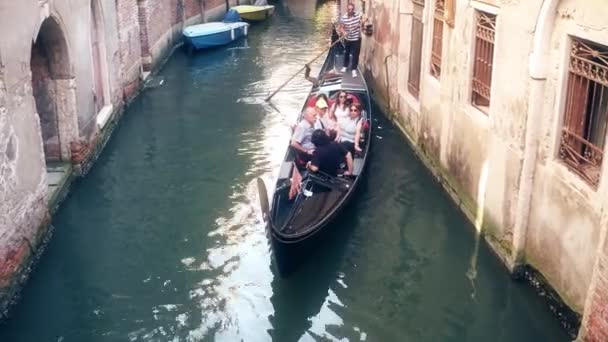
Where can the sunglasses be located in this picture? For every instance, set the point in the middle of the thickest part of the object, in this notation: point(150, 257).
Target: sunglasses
point(354, 110)
point(342, 96)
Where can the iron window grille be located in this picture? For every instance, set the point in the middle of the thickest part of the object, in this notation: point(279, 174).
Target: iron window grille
point(584, 126)
point(485, 32)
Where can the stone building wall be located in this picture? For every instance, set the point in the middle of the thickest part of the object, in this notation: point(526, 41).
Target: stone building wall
point(130, 46)
point(161, 24)
point(67, 69)
point(502, 163)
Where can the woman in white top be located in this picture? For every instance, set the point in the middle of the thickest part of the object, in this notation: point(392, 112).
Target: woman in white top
point(350, 129)
point(339, 110)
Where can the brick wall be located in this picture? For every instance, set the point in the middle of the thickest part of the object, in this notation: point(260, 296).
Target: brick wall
point(596, 328)
point(161, 17)
point(142, 19)
point(129, 45)
point(211, 4)
point(177, 11)
point(192, 8)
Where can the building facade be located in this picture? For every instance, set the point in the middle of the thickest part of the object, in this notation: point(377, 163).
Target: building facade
point(507, 103)
point(67, 69)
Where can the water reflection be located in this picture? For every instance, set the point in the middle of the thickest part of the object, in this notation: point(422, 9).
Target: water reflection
point(301, 9)
point(304, 304)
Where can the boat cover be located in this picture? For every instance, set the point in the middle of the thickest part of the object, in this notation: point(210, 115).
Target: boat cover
point(210, 28)
point(232, 16)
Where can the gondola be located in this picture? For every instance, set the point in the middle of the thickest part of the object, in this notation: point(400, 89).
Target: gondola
point(293, 224)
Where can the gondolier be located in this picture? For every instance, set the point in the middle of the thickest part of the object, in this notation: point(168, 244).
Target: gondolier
point(350, 27)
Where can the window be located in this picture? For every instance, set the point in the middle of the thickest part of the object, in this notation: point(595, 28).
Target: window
point(413, 82)
point(485, 31)
point(584, 127)
point(437, 38)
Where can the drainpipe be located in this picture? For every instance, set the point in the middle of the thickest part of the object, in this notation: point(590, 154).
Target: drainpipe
point(388, 88)
point(538, 76)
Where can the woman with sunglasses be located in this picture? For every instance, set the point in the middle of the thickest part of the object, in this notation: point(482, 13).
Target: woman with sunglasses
point(350, 129)
point(339, 110)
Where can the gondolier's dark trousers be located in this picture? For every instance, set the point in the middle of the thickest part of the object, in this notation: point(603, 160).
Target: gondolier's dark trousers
point(352, 47)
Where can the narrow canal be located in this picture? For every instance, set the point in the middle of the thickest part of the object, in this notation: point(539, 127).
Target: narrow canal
point(162, 241)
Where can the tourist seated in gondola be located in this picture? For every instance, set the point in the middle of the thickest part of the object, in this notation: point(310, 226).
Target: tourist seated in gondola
point(302, 135)
point(350, 129)
point(325, 120)
point(329, 155)
point(312, 100)
point(339, 109)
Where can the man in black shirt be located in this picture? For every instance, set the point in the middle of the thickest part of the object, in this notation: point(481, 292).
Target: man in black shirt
point(328, 155)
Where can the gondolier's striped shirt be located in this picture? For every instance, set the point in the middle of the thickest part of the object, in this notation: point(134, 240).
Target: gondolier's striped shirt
point(352, 26)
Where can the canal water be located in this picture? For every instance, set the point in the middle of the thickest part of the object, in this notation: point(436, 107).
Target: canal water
point(162, 241)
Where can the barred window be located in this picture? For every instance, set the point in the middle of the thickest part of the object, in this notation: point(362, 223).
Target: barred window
point(485, 31)
point(436, 49)
point(413, 82)
point(584, 127)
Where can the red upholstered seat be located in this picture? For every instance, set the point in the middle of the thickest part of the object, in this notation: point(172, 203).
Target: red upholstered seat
point(312, 100)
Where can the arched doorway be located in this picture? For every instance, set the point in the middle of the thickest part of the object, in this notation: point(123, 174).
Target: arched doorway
point(101, 92)
point(53, 87)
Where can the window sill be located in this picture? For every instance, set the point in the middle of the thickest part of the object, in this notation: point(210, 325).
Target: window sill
point(104, 115)
point(485, 110)
point(412, 102)
point(482, 118)
point(433, 81)
point(569, 177)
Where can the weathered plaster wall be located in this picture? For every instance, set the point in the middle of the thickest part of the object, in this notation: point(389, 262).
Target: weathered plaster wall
point(479, 153)
point(479, 156)
point(566, 211)
point(22, 177)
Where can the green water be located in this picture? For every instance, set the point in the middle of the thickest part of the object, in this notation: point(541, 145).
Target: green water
point(162, 241)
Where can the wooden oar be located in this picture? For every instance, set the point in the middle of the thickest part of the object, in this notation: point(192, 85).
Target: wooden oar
point(299, 71)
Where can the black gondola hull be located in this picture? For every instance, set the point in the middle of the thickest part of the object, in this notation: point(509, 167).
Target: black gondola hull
point(291, 246)
point(289, 254)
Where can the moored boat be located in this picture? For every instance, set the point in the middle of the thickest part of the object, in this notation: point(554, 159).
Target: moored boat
point(294, 222)
point(214, 34)
point(254, 13)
